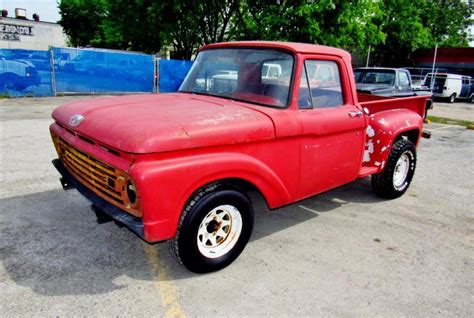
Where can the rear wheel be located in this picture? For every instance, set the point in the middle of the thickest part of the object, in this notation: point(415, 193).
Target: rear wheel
point(394, 181)
point(452, 98)
point(214, 229)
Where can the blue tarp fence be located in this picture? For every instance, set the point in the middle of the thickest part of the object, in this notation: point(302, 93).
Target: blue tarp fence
point(102, 71)
point(172, 74)
point(86, 71)
point(25, 73)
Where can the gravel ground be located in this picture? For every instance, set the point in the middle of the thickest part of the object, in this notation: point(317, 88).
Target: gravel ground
point(343, 253)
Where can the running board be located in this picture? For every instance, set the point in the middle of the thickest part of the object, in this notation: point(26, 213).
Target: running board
point(367, 171)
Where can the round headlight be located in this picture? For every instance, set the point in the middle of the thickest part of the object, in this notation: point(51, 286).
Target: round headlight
point(131, 192)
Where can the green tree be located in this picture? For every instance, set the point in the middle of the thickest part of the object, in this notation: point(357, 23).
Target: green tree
point(447, 21)
point(346, 24)
point(393, 28)
point(133, 25)
point(82, 21)
point(410, 25)
point(147, 25)
point(404, 29)
point(190, 24)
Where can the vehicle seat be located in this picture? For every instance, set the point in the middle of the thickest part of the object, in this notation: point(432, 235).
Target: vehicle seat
point(278, 92)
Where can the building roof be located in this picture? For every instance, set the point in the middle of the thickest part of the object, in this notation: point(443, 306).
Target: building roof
point(454, 55)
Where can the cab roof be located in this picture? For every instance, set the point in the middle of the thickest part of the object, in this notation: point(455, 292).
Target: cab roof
point(294, 47)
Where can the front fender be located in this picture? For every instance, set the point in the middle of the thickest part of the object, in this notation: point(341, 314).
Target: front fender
point(164, 186)
point(384, 129)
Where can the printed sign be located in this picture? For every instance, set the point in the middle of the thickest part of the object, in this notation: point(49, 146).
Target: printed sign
point(12, 32)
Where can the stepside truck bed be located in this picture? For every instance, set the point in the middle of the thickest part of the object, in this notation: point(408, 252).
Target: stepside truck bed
point(376, 104)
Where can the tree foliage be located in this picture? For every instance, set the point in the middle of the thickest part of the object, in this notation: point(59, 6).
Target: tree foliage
point(341, 23)
point(414, 24)
point(190, 24)
point(132, 25)
point(82, 21)
point(393, 28)
point(447, 21)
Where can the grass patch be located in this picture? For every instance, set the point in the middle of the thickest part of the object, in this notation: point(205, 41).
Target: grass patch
point(450, 121)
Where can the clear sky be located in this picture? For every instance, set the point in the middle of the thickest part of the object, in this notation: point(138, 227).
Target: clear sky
point(46, 9)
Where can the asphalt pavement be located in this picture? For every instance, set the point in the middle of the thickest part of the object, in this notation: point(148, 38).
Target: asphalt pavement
point(343, 253)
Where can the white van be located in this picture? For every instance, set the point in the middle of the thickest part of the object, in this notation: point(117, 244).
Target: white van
point(450, 86)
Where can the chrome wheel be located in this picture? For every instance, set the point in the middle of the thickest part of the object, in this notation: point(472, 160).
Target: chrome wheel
point(401, 171)
point(219, 231)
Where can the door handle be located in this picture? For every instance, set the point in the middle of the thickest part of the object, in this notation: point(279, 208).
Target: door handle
point(353, 114)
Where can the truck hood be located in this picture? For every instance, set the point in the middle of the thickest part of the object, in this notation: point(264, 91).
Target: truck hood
point(158, 123)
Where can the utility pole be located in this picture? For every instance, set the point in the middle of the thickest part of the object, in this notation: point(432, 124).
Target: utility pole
point(433, 67)
point(368, 57)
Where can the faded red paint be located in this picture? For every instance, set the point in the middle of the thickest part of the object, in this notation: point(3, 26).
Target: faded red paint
point(171, 145)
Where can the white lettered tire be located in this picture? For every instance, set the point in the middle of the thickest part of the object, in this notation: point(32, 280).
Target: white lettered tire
point(214, 229)
point(394, 181)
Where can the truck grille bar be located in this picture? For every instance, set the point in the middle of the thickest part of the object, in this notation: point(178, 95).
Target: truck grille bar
point(106, 181)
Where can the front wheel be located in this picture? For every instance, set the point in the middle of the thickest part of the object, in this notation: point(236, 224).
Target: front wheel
point(394, 181)
point(214, 229)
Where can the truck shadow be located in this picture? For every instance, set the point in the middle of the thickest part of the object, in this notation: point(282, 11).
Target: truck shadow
point(50, 242)
point(268, 222)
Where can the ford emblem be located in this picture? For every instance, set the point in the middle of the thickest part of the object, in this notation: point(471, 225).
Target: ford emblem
point(76, 120)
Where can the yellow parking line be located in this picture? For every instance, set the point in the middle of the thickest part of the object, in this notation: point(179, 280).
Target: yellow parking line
point(167, 290)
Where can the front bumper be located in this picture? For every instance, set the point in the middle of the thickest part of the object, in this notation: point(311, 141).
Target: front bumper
point(68, 181)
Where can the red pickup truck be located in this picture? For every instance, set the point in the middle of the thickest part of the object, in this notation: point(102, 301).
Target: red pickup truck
point(282, 119)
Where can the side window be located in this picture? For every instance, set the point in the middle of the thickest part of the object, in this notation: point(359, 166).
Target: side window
point(320, 81)
point(404, 81)
point(465, 80)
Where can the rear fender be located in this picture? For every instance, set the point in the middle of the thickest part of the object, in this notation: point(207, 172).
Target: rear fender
point(165, 186)
point(384, 129)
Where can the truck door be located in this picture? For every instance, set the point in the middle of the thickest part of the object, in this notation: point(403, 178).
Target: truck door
point(333, 131)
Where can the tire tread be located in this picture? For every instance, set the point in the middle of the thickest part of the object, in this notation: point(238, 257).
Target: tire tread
point(382, 183)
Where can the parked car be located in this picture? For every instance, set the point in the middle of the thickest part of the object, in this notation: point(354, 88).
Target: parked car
point(384, 81)
point(179, 166)
point(450, 86)
point(17, 75)
point(271, 70)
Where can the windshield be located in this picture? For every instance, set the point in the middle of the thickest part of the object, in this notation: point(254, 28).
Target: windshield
point(385, 77)
point(435, 82)
point(261, 76)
